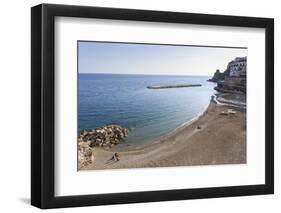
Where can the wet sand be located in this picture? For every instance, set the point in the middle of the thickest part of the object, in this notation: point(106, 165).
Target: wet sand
point(213, 138)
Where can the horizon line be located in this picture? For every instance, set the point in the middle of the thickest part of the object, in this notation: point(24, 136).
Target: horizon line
point(140, 74)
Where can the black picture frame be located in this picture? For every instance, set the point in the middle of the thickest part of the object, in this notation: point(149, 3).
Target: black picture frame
point(43, 102)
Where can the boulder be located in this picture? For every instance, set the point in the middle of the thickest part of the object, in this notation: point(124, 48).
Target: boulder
point(85, 156)
point(107, 134)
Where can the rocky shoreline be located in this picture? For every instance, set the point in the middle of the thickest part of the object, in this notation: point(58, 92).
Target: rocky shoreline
point(106, 137)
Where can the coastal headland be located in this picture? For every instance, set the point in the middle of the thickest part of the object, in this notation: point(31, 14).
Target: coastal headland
point(218, 136)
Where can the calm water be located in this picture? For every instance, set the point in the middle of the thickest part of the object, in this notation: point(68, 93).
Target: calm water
point(124, 99)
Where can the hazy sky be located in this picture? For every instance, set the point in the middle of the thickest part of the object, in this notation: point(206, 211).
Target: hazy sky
point(124, 58)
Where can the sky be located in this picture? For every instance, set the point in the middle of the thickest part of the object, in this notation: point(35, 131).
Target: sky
point(131, 58)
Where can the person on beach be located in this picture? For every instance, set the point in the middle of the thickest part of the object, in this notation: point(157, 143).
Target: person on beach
point(115, 157)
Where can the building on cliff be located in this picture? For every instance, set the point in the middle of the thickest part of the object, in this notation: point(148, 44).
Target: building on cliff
point(238, 67)
point(234, 77)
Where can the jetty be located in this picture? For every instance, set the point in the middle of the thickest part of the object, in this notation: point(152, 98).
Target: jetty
point(173, 86)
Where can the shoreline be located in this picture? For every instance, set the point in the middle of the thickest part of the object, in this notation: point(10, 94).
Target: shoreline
point(207, 139)
point(128, 147)
point(233, 102)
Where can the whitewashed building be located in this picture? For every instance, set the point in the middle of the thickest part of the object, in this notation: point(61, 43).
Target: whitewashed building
point(238, 67)
point(235, 77)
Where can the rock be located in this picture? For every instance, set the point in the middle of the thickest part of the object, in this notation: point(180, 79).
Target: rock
point(85, 156)
point(233, 79)
point(218, 76)
point(104, 136)
point(83, 144)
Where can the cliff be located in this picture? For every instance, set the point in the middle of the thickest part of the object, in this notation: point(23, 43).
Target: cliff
point(218, 76)
point(233, 79)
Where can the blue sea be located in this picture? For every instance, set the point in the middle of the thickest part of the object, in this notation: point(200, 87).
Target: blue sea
point(106, 99)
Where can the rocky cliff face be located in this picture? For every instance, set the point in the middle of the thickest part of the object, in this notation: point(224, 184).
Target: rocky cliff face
point(218, 76)
point(233, 79)
point(106, 136)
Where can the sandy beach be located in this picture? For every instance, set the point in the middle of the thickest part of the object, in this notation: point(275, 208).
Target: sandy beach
point(212, 138)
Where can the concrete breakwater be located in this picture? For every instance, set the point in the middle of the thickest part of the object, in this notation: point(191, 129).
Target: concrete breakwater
point(173, 86)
